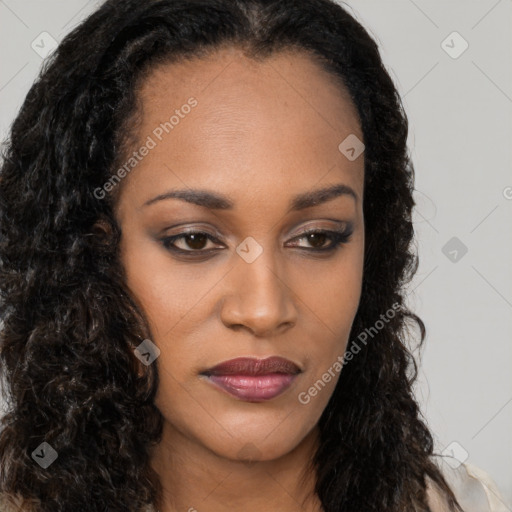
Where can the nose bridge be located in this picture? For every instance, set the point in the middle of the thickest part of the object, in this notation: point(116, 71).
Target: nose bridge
point(259, 297)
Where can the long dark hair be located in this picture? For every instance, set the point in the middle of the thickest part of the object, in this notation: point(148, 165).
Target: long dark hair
point(69, 323)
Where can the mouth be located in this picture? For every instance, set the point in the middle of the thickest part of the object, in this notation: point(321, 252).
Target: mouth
point(253, 380)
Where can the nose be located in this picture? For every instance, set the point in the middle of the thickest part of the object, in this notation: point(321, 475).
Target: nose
point(258, 298)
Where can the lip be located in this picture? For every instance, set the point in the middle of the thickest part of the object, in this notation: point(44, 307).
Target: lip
point(253, 366)
point(253, 380)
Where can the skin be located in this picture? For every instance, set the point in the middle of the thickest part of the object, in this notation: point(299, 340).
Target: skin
point(261, 133)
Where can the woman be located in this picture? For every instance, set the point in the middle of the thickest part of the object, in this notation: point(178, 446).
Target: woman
point(206, 234)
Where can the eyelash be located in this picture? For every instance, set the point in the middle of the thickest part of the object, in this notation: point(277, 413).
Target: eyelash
point(337, 239)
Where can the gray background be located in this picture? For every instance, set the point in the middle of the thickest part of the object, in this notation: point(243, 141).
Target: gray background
point(459, 107)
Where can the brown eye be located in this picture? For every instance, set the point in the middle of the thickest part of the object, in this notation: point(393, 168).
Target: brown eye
point(317, 239)
point(190, 242)
point(196, 241)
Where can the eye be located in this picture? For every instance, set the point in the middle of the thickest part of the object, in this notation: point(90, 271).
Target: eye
point(194, 240)
point(318, 237)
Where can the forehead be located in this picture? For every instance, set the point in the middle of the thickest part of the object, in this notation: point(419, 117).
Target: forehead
point(278, 122)
point(229, 82)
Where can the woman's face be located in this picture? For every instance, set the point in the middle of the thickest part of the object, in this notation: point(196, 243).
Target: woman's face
point(250, 145)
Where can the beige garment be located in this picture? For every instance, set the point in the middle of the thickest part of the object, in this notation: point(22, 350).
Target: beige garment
point(473, 487)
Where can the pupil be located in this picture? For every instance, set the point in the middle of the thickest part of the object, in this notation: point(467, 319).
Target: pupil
point(312, 238)
point(196, 241)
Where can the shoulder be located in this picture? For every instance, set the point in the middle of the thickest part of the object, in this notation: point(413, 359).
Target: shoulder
point(473, 487)
point(8, 503)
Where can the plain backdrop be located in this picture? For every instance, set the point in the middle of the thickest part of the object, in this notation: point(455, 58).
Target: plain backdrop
point(451, 61)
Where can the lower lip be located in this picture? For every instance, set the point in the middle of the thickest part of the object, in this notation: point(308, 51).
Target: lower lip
point(253, 388)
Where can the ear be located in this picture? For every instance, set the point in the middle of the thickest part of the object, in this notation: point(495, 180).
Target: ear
point(101, 227)
point(102, 231)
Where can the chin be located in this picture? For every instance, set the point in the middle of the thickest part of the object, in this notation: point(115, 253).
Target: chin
point(255, 444)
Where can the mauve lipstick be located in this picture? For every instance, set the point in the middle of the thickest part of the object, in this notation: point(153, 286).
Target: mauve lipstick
point(253, 380)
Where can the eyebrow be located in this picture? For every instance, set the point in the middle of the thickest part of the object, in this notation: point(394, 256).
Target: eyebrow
point(216, 201)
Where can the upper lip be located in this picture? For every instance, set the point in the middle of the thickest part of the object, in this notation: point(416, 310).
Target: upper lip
point(254, 366)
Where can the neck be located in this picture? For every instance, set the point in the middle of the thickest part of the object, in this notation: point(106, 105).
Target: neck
point(195, 479)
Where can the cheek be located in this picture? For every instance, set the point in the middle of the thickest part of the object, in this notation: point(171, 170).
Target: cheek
point(333, 290)
point(166, 290)
point(330, 301)
point(174, 298)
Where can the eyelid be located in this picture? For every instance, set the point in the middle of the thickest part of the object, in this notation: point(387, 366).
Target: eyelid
point(337, 235)
point(165, 240)
point(185, 228)
point(341, 227)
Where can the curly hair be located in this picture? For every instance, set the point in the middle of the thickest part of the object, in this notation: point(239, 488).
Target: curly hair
point(69, 324)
